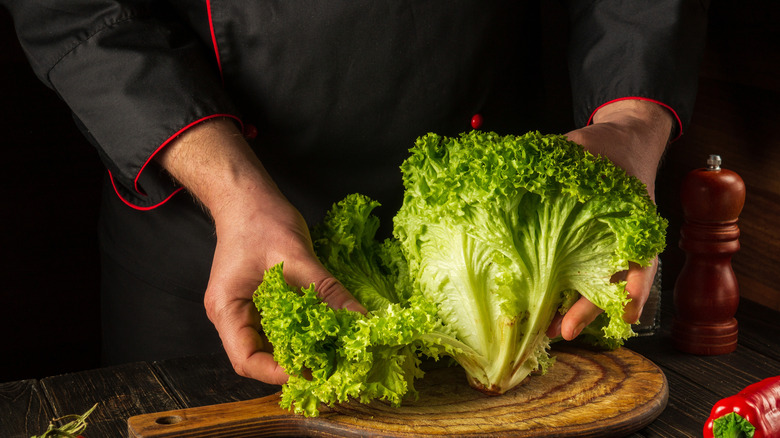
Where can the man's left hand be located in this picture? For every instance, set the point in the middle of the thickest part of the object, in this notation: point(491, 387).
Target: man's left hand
point(633, 134)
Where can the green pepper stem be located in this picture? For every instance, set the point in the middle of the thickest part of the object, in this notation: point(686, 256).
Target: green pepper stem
point(732, 425)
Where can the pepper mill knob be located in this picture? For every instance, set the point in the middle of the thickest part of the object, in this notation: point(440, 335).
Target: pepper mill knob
point(706, 293)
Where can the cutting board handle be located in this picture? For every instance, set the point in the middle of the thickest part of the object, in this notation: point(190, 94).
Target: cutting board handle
point(260, 417)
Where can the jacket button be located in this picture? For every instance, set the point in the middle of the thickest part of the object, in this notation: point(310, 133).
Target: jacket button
point(250, 131)
point(476, 121)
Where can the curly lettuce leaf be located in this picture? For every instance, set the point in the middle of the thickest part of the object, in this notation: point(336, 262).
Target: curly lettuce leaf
point(374, 272)
point(345, 354)
point(336, 355)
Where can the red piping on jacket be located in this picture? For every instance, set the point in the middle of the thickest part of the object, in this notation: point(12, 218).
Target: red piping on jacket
point(165, 143)
point(214, 37)
point(676, 117)
point(130, 204)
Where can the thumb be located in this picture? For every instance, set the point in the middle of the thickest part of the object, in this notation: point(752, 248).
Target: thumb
point(639, 283)
point(328, 288)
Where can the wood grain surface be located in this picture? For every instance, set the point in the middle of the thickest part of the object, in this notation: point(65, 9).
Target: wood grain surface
point(122, 391)
point(23, 409)
point(586, 393)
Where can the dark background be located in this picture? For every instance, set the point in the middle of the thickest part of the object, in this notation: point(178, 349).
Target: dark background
point(49, 275)
point(49, 301)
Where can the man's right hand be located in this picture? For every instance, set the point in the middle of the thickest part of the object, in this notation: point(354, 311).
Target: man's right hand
point(256, 229)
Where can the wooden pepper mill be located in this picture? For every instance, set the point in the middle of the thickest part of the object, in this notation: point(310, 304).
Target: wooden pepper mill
point(706, 293)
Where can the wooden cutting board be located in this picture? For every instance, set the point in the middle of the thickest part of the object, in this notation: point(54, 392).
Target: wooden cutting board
point(585, 393)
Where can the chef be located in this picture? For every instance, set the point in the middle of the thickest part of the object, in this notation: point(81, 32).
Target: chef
point(227, 128)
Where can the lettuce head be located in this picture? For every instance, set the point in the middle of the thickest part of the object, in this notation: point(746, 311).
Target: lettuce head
point(495, 235)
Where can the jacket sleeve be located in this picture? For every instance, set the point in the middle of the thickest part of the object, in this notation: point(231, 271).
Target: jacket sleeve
point(639, 49)
point(133, 75)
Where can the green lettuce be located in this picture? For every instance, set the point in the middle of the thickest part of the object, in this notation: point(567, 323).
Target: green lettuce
point(336, 355)
point(495, 235)
point(497, 228)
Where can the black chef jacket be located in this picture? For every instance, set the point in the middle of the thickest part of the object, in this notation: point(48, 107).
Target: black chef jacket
point(331, 93)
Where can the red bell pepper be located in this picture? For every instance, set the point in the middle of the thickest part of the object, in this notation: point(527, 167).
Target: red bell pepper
point(754, 412)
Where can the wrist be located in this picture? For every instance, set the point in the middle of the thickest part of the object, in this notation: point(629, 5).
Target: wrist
point(646, 129)
point(633, 134)
point(649, 119)
point(213, 161)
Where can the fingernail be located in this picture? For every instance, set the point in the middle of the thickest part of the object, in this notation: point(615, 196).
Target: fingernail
point(578, 329)
point(355, 306)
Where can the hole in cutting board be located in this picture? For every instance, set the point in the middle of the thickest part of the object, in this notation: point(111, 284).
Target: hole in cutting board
point(169, 419)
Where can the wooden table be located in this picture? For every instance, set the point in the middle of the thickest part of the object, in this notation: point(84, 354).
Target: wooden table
point(695, 383)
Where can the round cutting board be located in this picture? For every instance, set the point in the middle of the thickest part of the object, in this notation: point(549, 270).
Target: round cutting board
point(586, 393)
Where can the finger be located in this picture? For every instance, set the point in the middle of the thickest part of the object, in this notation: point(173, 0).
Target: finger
point(639, 281)
point(250, 356)
point(259, 364)
point(554, 330)
point(337, 296)
point(237, 323)
point(582, 313)
point(328, 288)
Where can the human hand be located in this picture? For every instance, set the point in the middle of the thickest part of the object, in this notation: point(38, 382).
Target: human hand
point(246, 247)
point(256, 228)
point(633, 134)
